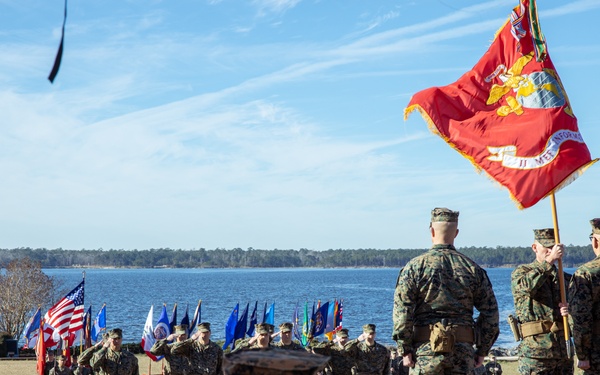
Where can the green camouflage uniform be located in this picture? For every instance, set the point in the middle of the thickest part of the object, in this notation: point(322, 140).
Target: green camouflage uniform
point(368, 360)
point(204, 359)
point(340, 362)
point(86, 356)
point(536, 293)
point(244, 344)
point(109, 362)
point(83, 361)
point(292, 346)
point(444, 284)
point(176, 364)
point(81, 370)
point(584, 307)
point(49, 365)
point(58, 371)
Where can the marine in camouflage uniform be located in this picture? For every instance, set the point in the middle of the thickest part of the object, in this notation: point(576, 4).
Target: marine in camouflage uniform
point(370, 357)
point(83, 361)
point(286, 342)
point(536, 292)
point(584, 306)
point(260, 340)
point(111, 360)
point(340, 362)
point(50, 361)
point(205, 356)
point(273, 361)
point(176, 364)
point(60, 368)
point(443, 286)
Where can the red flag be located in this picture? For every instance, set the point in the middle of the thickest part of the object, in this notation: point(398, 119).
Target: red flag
point(40, 351)
point(510, 115)
point(66, 315)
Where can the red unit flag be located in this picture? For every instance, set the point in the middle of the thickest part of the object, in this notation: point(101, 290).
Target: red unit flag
point(510, 115)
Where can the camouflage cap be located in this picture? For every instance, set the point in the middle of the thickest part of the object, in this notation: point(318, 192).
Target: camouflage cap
point(115, 333)
point(61, 358)
point(442, 214)
point(544, 236)
point(286, 327)
point(181, 329)
point(204, 327)
point(343, 333)
point(262, 328)
point(273, 362)
point(595, 226)
point(369, 328)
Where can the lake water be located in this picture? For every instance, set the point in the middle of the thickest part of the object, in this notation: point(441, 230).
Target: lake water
point(367, 294)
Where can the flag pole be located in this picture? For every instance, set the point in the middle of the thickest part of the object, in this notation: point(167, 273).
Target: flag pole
point(81, 336)
point(561, 277)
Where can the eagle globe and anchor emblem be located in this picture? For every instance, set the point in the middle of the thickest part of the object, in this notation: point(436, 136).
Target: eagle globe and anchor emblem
point(540, 89)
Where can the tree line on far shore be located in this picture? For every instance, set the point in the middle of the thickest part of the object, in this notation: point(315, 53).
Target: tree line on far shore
point(256, 258)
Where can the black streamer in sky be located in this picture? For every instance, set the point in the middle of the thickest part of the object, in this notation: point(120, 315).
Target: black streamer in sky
point(58, 58)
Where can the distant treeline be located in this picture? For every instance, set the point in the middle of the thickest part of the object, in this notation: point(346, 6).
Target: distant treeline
point(255, 258)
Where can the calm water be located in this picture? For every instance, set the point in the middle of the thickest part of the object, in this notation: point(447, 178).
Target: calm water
point(367, 294)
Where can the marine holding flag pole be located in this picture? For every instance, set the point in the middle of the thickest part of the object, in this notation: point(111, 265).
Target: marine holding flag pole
point(59, 53)
point(511, 117)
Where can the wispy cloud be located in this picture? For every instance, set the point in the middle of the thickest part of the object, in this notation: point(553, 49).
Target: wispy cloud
point(274, 6)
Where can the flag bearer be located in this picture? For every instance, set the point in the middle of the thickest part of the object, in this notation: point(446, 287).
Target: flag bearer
point(536, 292)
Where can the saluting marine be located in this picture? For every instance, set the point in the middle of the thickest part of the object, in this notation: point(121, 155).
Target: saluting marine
point(175, 364)
point(285, 339)
point(205, 356)
point(370, 357)
point(111, 360)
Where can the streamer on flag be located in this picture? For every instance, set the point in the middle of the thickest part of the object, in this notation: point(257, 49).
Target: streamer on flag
point(67, 314)
point(510, 115)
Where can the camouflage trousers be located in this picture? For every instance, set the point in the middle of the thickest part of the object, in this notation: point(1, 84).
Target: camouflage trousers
point(545, 366)
point(458, 362)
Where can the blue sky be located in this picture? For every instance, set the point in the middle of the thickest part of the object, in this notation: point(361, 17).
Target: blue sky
point(263, 123)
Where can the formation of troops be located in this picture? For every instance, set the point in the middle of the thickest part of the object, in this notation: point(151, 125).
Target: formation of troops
point(435, 325)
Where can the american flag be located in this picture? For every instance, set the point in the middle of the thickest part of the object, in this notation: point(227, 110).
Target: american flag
point(67, 315)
